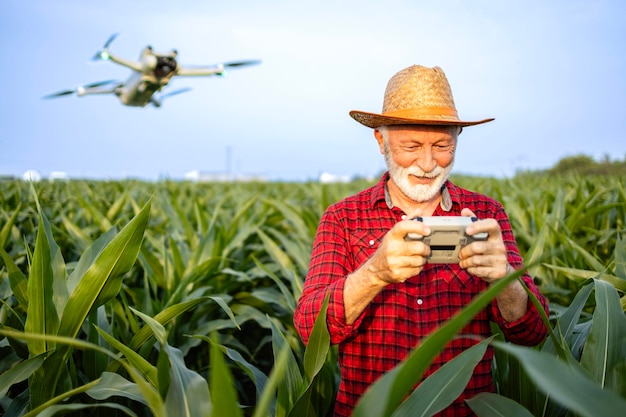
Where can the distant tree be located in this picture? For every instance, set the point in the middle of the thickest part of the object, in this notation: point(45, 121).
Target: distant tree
point(586, 165)
point(572, 164)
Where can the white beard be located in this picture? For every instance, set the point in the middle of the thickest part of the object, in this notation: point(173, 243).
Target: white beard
point(420, 192)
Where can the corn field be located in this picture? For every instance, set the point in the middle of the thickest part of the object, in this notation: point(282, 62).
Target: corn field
point(128, 298)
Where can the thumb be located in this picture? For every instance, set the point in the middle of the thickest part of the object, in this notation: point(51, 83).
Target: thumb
point(467, 212)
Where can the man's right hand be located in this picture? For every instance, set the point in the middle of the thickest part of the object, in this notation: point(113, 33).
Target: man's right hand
point(397, 259)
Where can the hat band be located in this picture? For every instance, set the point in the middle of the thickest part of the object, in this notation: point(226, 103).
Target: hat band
point(423, 111)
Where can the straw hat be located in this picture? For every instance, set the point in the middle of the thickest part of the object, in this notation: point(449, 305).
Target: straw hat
point(416, 96)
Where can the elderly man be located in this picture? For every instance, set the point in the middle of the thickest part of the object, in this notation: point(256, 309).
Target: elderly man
point(384, 294)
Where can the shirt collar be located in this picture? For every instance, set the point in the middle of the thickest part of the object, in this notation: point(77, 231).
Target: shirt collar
point(448, 193)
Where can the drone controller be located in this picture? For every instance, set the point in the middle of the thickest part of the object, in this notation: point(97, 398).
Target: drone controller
point(447, 237)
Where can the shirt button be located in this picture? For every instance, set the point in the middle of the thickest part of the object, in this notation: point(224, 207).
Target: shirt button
point(372, 242)
point(403, 216)
point(420, 301)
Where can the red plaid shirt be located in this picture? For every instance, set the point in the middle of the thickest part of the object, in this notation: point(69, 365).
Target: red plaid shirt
point(402, 314)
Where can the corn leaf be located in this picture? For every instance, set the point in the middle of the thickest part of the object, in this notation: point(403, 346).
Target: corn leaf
point(568, 320)
point(620, 258)
point(88, 258)
point(488, 404)
point(188, 392)
point(580, 394)
point(115, 385)
point(55, 410)
point(6, 227)
point(266, 405)
point(223, 394)
point(441, 388)
point(604, 356)
point(384, 395)
point(42, 316)
point(103, 279)
point(17, 280)
point(100, 282)
point(292, 382)
point(135, 359)
point(319, 344)
point(169, 314)
point(315, 357)
point(20, 372)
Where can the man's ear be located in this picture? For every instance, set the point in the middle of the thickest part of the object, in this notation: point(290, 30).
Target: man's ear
point(381, 141)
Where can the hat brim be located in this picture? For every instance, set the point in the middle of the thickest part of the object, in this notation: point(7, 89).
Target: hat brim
point(375, 120)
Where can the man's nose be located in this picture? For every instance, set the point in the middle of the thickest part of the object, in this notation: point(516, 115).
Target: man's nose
point(426, 159)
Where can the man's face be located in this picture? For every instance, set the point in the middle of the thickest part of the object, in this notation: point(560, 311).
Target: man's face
point(419, 157)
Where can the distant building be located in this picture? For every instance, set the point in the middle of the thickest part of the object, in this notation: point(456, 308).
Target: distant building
point(58, 176)
point(203, 176)
point(32, 175)
point(326, 178)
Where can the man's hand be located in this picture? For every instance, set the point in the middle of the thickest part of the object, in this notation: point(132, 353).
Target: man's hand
point(488, 261)
point(485, 259)
point(397, 259)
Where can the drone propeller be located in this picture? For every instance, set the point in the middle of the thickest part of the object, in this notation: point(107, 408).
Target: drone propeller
point(158, 101)
point(79, 89)
point(241, 63)
point(104, 52)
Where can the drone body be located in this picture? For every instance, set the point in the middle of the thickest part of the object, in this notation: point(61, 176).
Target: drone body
point(150, 74)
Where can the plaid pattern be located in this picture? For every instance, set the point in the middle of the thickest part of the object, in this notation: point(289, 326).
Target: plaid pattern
point(395, 321)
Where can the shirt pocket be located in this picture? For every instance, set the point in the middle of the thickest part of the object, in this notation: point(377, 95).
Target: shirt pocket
point(455, 276)
point(363, 245)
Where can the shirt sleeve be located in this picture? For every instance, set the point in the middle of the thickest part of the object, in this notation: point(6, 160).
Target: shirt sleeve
point(327, 274)
point(530, 329)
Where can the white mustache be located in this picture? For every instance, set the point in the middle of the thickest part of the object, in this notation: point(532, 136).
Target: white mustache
point(413, 170)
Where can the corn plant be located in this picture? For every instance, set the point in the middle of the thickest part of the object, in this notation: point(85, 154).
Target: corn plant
point(196, 314)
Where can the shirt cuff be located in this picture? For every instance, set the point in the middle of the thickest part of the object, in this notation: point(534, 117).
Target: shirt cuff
point(336, 317)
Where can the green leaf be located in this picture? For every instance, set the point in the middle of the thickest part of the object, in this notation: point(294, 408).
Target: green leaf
point(6, 227)
point(568, 320)
point(17, 280)
point(41, 316)
point(318, 394)
point(103, 279)
point(63, 409)
point(567, 383)
point(19, 372)
point(115, 385)
point(157, 328)
point(281, 364)
point(604, 354)
point(384, 395)
point(292, 382)
point(441, 388)
point(135, 359)
point(223, 393)
point(258, 378)
point(163, 318)
point(88, 257)
point(620, 258)
point(488, 404)
point(188, 394)
point(319, 343)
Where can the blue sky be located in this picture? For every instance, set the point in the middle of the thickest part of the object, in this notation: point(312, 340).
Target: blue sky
point(553, 74)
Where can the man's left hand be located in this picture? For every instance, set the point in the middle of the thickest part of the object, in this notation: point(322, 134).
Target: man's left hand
point(484, 259)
